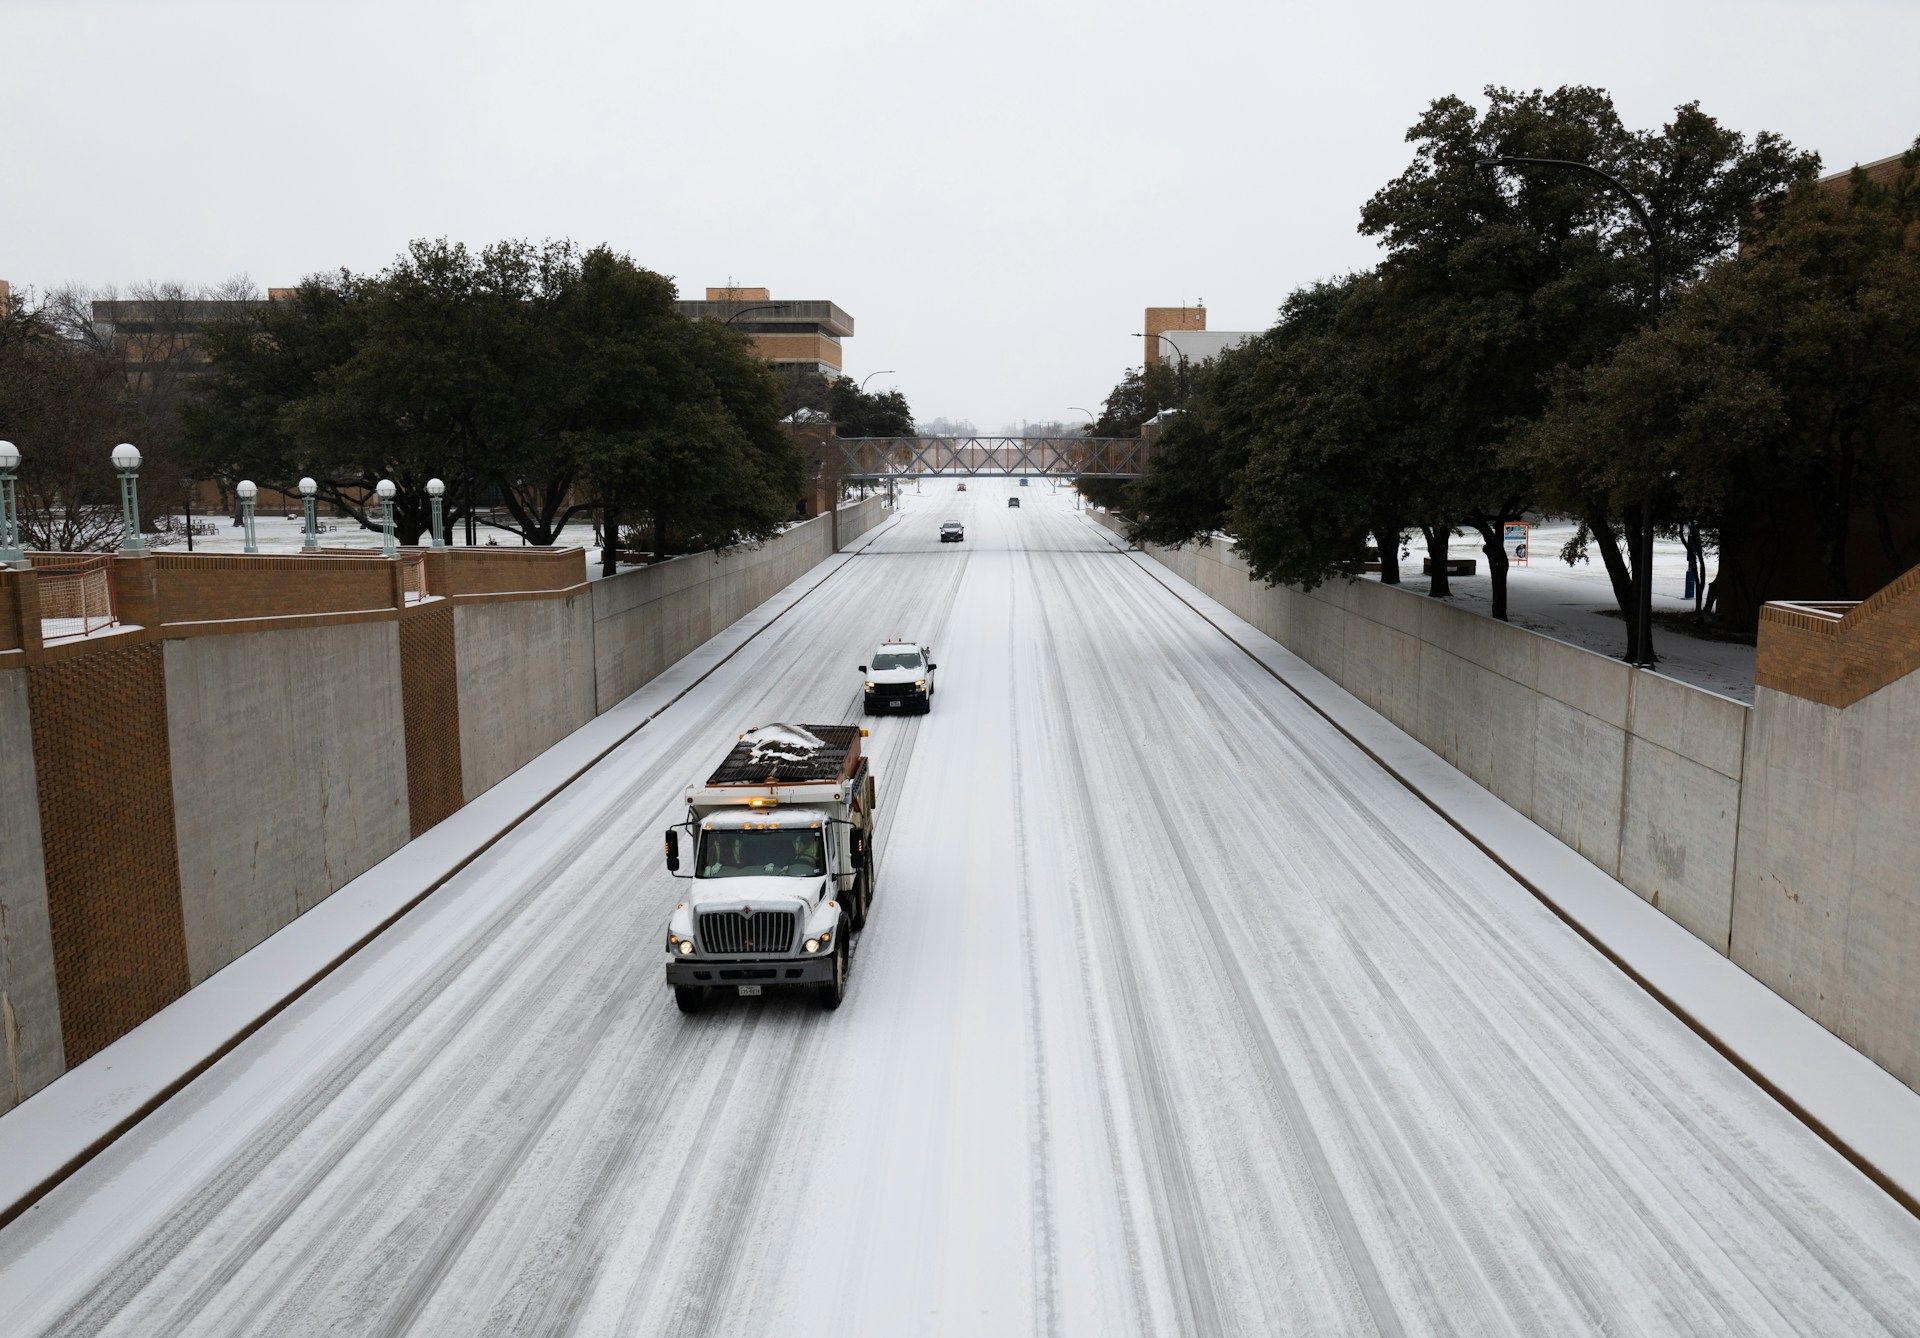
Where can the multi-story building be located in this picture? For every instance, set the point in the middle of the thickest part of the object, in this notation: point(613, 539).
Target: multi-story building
point(787, 334)
point(1166, 329)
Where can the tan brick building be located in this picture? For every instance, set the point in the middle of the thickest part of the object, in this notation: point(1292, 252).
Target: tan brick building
point(1165, 320)
point(787, 334)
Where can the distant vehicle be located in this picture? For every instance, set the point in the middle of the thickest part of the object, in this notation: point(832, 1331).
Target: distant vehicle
point(953, 532)
point(1023, 483)
point(1013, 501)
point(899, 678)
point(782, 836)
point(961, 488)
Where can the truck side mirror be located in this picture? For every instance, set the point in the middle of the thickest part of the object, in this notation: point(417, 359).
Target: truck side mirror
point(673, 850)
point(863, 668)
point(931, 666)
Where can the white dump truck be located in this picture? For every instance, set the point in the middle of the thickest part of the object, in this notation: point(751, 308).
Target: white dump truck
point(781, 838)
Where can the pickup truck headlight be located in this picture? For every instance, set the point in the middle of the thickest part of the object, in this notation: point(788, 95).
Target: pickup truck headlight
point(869, 685)
point(920, 683)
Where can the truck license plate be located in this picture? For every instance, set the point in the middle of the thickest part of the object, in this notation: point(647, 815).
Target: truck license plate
point(749, 989)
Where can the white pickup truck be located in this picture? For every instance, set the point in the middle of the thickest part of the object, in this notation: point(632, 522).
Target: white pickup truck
point(899, 678)
point(783, 865)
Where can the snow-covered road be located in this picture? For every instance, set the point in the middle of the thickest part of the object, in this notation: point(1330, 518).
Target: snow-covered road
point(1175, 1014)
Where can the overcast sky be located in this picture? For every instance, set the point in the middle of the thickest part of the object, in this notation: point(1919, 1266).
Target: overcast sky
point(993, 190)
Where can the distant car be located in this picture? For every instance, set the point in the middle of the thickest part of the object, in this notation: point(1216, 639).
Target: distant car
point(1023, 483)
point(1013, 501)
point(899, 678)
point(953, 532)
point(961, 488)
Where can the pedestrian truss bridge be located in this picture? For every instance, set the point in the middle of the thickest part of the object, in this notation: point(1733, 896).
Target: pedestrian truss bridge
point(993, 457)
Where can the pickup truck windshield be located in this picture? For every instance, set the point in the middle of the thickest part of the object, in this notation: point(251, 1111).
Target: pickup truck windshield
point(757, 854)
point(896, 659)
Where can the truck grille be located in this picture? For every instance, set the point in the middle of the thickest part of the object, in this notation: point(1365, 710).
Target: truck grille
point(763, 933)
point(895, 692)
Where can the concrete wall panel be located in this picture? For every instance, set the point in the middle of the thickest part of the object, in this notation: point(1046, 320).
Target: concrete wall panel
point(1679, 825)
point(1826, 907)
point(526, 675)
point(1708, 728)
point(289, 775)
point(31, 1053)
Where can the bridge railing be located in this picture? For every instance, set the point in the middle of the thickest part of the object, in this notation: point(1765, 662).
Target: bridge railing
point(1055, 457)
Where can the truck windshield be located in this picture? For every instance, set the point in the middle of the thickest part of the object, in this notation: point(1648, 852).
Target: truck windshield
point(896, 659)
point(758, 854)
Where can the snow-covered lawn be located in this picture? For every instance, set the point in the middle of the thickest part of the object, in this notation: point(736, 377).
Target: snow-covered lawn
point(1575, 604)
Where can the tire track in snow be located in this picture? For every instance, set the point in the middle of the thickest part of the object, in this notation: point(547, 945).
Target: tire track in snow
point(1179, 1216)
point(1041, 1231)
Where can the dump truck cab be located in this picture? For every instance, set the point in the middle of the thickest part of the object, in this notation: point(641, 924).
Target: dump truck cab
point(777, 853)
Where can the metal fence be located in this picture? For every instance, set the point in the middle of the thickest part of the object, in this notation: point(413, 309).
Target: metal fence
point(413, 577)
point(76, 594)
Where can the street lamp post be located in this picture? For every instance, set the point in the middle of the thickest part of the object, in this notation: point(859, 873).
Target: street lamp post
point(309, 524)
point(186, 505)
point(386, 491)
point(870, 375)
point(1138, 334)
point(745, 311)
point(435, 489)
point(1643, 539)
point(247, 491)
point(10, 552)
point(126, 461)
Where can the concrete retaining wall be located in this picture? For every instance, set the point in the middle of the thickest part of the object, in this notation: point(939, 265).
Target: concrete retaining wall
point(1785, 835)
point(525, 673)
point(31, 1052)
point(1827, 891)
point(645, 620)
point(289, 775)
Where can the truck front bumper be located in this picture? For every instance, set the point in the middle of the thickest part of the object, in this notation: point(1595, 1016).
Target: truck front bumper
point(906, 701)
point(764, 971)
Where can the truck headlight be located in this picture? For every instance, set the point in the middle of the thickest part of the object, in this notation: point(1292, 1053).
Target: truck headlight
point(818, 942)
point(869, 685)
point(686, 947)
point(920, 683)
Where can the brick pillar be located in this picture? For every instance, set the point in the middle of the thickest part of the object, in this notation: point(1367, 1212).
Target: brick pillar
point(136, 592)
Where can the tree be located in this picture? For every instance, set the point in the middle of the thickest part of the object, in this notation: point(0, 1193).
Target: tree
point(1504, 280)
point(1784, 388)
point(1141, 393)
point(1330, 432)
point(65, 404)
point(854, 412)
point(532, 373)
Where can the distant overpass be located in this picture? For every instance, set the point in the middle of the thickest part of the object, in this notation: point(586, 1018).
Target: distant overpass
point(863, 458)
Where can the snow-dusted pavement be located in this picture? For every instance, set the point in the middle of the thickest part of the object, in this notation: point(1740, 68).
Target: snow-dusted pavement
point(1174, 1015)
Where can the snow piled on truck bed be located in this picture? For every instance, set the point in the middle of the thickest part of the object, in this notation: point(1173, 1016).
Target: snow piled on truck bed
point(781, 743)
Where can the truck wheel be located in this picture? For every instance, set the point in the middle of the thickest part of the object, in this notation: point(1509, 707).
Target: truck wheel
point(689, 998)
point(834, 991)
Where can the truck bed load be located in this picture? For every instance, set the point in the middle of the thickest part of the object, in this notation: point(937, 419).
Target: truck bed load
point(790, 755)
